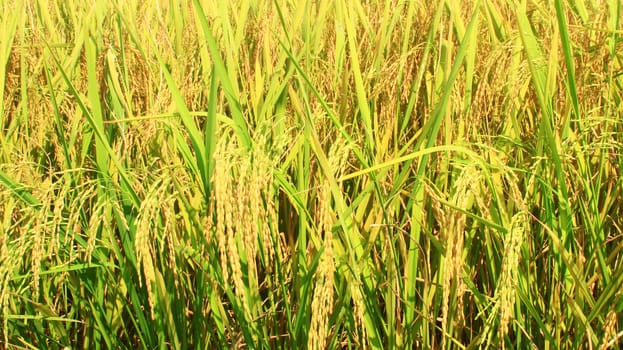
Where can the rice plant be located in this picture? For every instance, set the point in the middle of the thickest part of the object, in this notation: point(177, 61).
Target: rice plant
point(311, 174)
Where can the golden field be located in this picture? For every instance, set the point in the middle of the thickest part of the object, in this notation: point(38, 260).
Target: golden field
point(311, 174)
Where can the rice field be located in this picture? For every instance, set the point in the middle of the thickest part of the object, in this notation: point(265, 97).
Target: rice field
point(317, 174)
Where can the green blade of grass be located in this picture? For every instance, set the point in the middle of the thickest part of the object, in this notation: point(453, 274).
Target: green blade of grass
point(132, 196)
point(210, 136)
point(428, 139)
point(568, 53)
point(19, 191)
point(198, 163)
point(540, 76)
point(221, 71)
point(362, 99)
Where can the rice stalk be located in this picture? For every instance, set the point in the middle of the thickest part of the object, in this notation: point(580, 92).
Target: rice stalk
point(144, 253)
point(322, 301)
point(505, 290)
point(454, 236)
point(223, 213)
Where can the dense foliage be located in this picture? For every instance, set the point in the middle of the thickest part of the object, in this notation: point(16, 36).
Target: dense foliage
point(311, 174)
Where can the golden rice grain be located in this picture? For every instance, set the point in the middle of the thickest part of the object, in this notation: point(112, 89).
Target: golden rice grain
point(94, 221)
point(7, 204)
point(170, 233)
point(236, 273)
point(454, 232)
point(268, 238)
point(247, 215)
point(143, 245)
point(609, 329)
point(322, 302)
point(359, 311)
point(40, 230)
point(57, 221)
point(230, 255)
point(244, 210)
point(507, 283)
point(221, 183)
